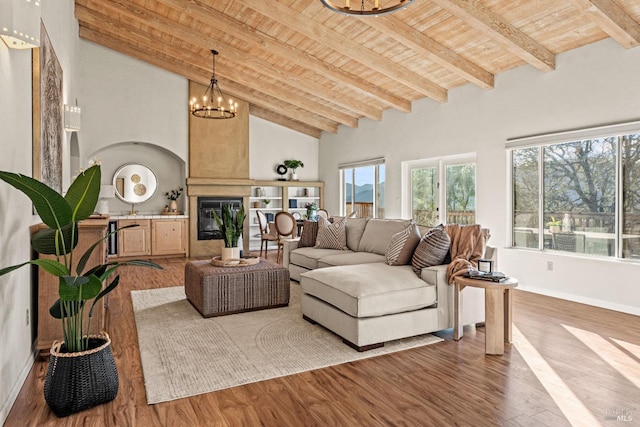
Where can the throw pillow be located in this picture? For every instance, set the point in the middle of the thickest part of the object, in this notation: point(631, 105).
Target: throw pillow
point(402, 246)
point(431, 250)
point(332, 235)
point(309, 234)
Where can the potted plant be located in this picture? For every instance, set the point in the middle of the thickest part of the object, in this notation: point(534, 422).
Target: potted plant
point(554, 225)
point(172, 196)
point(231, 228)
point(293, 165)
point(266, 202)
point(312, 211)
point(81, 372)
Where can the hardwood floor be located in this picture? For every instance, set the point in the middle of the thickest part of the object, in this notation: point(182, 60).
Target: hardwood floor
point(569, 364)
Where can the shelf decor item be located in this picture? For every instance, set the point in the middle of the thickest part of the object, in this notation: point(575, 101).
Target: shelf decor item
point(282, 171)
point(293, 165)
point(312, 211)
point(172, 196)
point(76, 379)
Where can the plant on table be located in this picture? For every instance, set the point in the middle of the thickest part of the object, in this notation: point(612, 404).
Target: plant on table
point(230, 225)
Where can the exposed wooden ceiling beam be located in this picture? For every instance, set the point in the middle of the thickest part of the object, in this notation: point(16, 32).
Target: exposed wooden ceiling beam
point(158, 59)
point(612, 19)
point(393, 27)
point(287, 53)
point(345, 102)
point(501, 31)
point(269, 115)
point(284, 92)
point(321, 34)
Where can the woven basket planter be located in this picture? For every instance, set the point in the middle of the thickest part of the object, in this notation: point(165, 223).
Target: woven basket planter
point(78, 381)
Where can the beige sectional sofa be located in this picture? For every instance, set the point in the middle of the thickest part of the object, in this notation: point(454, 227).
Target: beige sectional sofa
point(355, 294)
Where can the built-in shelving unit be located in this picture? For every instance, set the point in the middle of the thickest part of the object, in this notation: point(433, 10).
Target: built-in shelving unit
point(289, 196)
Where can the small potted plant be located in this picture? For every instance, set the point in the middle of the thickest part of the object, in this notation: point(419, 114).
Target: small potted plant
point(231, 229)
point(293, 165)
point(554, 225)
point(312, 211)
point(266, 202)
point(82, 372)
point(172, 196)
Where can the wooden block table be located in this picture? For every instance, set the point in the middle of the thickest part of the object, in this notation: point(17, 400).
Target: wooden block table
point(497, 303)
point(216, 291)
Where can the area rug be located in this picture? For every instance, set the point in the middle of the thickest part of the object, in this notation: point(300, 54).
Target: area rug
point(184, 354)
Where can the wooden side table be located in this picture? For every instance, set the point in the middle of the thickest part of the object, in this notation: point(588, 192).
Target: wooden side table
point(497, 307)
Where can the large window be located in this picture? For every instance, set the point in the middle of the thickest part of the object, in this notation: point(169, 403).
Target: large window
point(581, 195)
point(441, 191)
point(363, 189)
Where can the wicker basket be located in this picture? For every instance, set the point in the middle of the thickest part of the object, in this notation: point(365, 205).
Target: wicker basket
point(78, 381)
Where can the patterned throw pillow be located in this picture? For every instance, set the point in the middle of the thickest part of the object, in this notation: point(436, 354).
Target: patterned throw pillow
point(309, 234)
point(332, 236)
point(431, 250)
point(402, 246)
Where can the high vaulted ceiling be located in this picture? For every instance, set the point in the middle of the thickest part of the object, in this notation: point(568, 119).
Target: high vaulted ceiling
point(307, 68)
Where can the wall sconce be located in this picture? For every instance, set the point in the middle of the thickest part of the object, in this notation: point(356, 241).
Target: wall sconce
point(72, 117)
point(20, 23)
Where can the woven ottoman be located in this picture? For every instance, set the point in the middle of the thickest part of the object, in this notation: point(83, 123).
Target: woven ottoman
point(217, 291)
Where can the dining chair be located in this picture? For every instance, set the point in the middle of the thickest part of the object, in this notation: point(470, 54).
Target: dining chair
point(267, 233)
point(323, 213)
point(286, 228)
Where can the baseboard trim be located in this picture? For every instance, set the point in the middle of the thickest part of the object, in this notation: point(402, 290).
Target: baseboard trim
point(583, 300)
point(6, 406)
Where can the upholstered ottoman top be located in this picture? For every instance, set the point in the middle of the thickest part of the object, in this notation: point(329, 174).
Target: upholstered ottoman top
point(368, 290)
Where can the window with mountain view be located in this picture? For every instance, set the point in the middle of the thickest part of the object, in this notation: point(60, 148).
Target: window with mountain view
point(363, 189)
point(579, 196)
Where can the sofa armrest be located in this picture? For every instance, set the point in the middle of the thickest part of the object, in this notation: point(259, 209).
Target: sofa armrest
point(288, 246)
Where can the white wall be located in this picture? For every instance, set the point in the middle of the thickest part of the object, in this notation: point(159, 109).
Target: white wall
point(595, 85)
point(271, 144)
point(124, 99)
point(16, 356)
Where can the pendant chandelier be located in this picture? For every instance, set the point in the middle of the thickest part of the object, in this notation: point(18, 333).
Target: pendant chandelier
point(214, 105)
point(367, 8)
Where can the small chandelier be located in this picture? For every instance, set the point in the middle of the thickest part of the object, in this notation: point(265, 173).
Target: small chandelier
point(214, 104)
point(367, 10)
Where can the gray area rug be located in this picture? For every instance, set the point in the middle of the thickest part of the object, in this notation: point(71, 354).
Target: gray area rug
point(184, 354)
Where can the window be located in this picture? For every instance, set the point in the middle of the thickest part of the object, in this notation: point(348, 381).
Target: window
point(578, 195)
point(424, 192)
point(363, 189)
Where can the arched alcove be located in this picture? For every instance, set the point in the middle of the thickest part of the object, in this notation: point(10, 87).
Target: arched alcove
point(168, 167)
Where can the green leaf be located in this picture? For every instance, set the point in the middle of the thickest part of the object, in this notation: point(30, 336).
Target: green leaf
point(44, 241)
point(104, 292)
point(76, 292)
point(83, 193)
point(53, 209)
point(51, 266)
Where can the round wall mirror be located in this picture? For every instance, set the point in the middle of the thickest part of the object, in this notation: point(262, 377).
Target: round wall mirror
point(135, 183)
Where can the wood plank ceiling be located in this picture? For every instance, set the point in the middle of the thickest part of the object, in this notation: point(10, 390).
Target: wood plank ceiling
point(300, 65)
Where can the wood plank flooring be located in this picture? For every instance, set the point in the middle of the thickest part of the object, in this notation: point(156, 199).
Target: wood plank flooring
point(569, 364)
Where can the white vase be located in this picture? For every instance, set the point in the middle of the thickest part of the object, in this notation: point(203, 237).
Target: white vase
point(173, 206)
point(294, 176)
point(230, 253)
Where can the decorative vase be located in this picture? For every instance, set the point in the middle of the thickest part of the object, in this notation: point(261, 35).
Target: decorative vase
point(294, 176)
point(312, 214)
point(230, 253)
point(82, 380)
point(173, 206)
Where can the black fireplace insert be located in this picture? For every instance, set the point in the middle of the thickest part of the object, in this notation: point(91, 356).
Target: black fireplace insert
point(207, 227)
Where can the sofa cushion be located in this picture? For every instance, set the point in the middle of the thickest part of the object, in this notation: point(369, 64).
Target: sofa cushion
point(355, 229)
point(331, 236)
point(349, 258)
point(378, 232)
point(308, 257)
point(368, 290)
point(309, 234)
point(402, 245)
point(432, 249)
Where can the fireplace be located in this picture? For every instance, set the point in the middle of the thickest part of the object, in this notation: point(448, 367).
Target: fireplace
point(207, 226)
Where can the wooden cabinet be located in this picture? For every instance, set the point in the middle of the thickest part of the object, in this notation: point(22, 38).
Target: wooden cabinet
point(49, 328)
point(169, 236)
point(152, 237)
point(134, 241)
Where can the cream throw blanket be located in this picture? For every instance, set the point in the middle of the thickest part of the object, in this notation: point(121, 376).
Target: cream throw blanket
point(468, 243)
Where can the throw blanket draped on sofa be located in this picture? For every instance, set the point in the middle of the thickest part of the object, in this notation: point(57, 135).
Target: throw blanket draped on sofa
point(467, 246)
